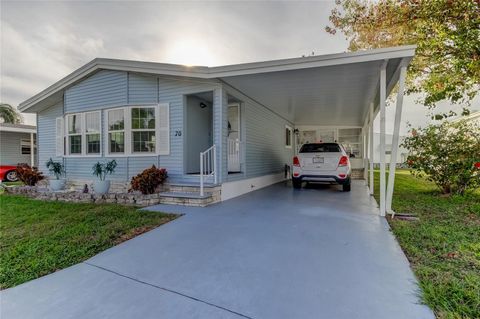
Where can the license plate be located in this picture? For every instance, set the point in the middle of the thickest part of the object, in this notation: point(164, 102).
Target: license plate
point(318, 159)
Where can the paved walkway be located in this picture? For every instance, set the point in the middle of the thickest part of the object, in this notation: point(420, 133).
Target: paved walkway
point(273, 253)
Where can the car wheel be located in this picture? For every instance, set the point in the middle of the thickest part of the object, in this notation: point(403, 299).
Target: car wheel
point(11, 176)
point(296, 183)
point(346, 187)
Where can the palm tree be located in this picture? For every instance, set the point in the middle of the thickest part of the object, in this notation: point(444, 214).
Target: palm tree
point(9, 114)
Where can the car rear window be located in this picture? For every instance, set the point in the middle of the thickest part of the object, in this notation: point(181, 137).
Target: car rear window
point(320, 148)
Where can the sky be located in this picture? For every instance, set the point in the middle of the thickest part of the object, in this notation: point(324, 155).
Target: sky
point(43, 41)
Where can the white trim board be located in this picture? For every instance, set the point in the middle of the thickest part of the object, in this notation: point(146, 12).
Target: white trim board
point(17, 129)
point(237, 188)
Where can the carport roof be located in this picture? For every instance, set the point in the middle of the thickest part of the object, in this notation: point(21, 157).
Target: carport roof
point(334, 89)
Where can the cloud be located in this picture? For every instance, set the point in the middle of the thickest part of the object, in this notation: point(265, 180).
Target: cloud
point(43, 41)
point(33, 61)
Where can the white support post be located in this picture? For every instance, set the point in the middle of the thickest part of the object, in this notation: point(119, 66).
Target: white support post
point(383, 97)
point(365, 153)
point(201, 174)
point(32, 151)
point(215, 167)
point(372, 181)
point(395, 141)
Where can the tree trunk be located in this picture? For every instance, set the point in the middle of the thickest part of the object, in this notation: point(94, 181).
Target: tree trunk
point(446, 189)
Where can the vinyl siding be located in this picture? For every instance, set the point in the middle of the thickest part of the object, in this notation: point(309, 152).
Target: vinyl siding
point(101, 90)
point(173, 91)
point(264, 139)
point(46, 135)
point(142, 89)
point(11, 150)
point(264, 130)
point(107, 89)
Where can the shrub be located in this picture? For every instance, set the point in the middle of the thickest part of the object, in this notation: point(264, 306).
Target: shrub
point(28, 175)
point(56, 168)
point(101, 170)
point(148, 180)
point(446, 154)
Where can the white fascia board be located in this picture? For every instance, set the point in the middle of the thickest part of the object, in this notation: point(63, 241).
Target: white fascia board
point(314, 61)
point(220, 71)
point(17, 130)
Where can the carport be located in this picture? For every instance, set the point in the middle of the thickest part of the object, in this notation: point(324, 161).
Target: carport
point(346, 90)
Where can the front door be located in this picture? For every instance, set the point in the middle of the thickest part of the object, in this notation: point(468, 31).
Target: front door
point(199, 130)
point(234, 138)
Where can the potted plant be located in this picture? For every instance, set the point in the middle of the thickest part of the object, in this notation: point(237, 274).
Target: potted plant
point(101, 170)
point(58, 170)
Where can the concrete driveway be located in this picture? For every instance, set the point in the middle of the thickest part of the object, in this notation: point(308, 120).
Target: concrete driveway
point(273, 253)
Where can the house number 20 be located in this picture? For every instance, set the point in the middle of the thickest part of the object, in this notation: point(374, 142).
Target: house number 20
point(178, 133)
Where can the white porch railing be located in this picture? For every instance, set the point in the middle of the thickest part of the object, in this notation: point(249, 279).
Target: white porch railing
point(233, 157)
point(208, 166)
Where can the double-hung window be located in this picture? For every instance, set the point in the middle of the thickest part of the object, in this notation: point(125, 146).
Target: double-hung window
point(84, 133)
point(143, 129)
point(116, 131)
point(92, 132)
point(74, 132)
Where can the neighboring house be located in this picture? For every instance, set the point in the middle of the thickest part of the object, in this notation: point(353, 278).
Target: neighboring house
point(402, 153)
point(471, 118)
point(17, 144)
point(241, 118)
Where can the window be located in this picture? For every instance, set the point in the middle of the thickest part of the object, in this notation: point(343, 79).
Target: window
point(320, 148)
point(351, 139)
point(74, 133)
point(143, 129)
point(92, 132)
point(25, 145)
point(83, 133)
point(138, 130)
point(288, 136)
point(116, 131)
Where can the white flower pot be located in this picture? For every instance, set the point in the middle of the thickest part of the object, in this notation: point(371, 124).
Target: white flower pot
point(101, 187)
point(57, 184)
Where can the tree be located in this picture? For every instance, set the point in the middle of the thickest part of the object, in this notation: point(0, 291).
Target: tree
point(447, 34)
point(9, 114)
point(446, 154)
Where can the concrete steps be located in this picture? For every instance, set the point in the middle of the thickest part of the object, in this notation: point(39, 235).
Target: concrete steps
point(189, 194)
point(186, 198)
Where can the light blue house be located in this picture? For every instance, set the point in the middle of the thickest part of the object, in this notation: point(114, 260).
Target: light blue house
point(233, 127)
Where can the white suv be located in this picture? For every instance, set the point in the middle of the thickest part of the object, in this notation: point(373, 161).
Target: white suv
point(322, 163)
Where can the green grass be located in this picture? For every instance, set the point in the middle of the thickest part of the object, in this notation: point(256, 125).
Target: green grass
point(443, 246)
point(39, 237)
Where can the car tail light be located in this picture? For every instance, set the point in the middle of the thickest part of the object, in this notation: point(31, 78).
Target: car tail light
point(296, 161)
point(342, 175)
point(296, 174)
point(343, 161)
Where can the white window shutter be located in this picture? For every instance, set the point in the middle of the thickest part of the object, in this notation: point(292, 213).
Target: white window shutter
point(59, 132)
point(163, 131)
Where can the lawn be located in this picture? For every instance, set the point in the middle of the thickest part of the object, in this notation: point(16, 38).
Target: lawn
point(443, 246)
point(38, 237)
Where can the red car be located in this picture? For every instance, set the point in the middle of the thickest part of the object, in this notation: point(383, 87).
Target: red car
point(8, 173)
